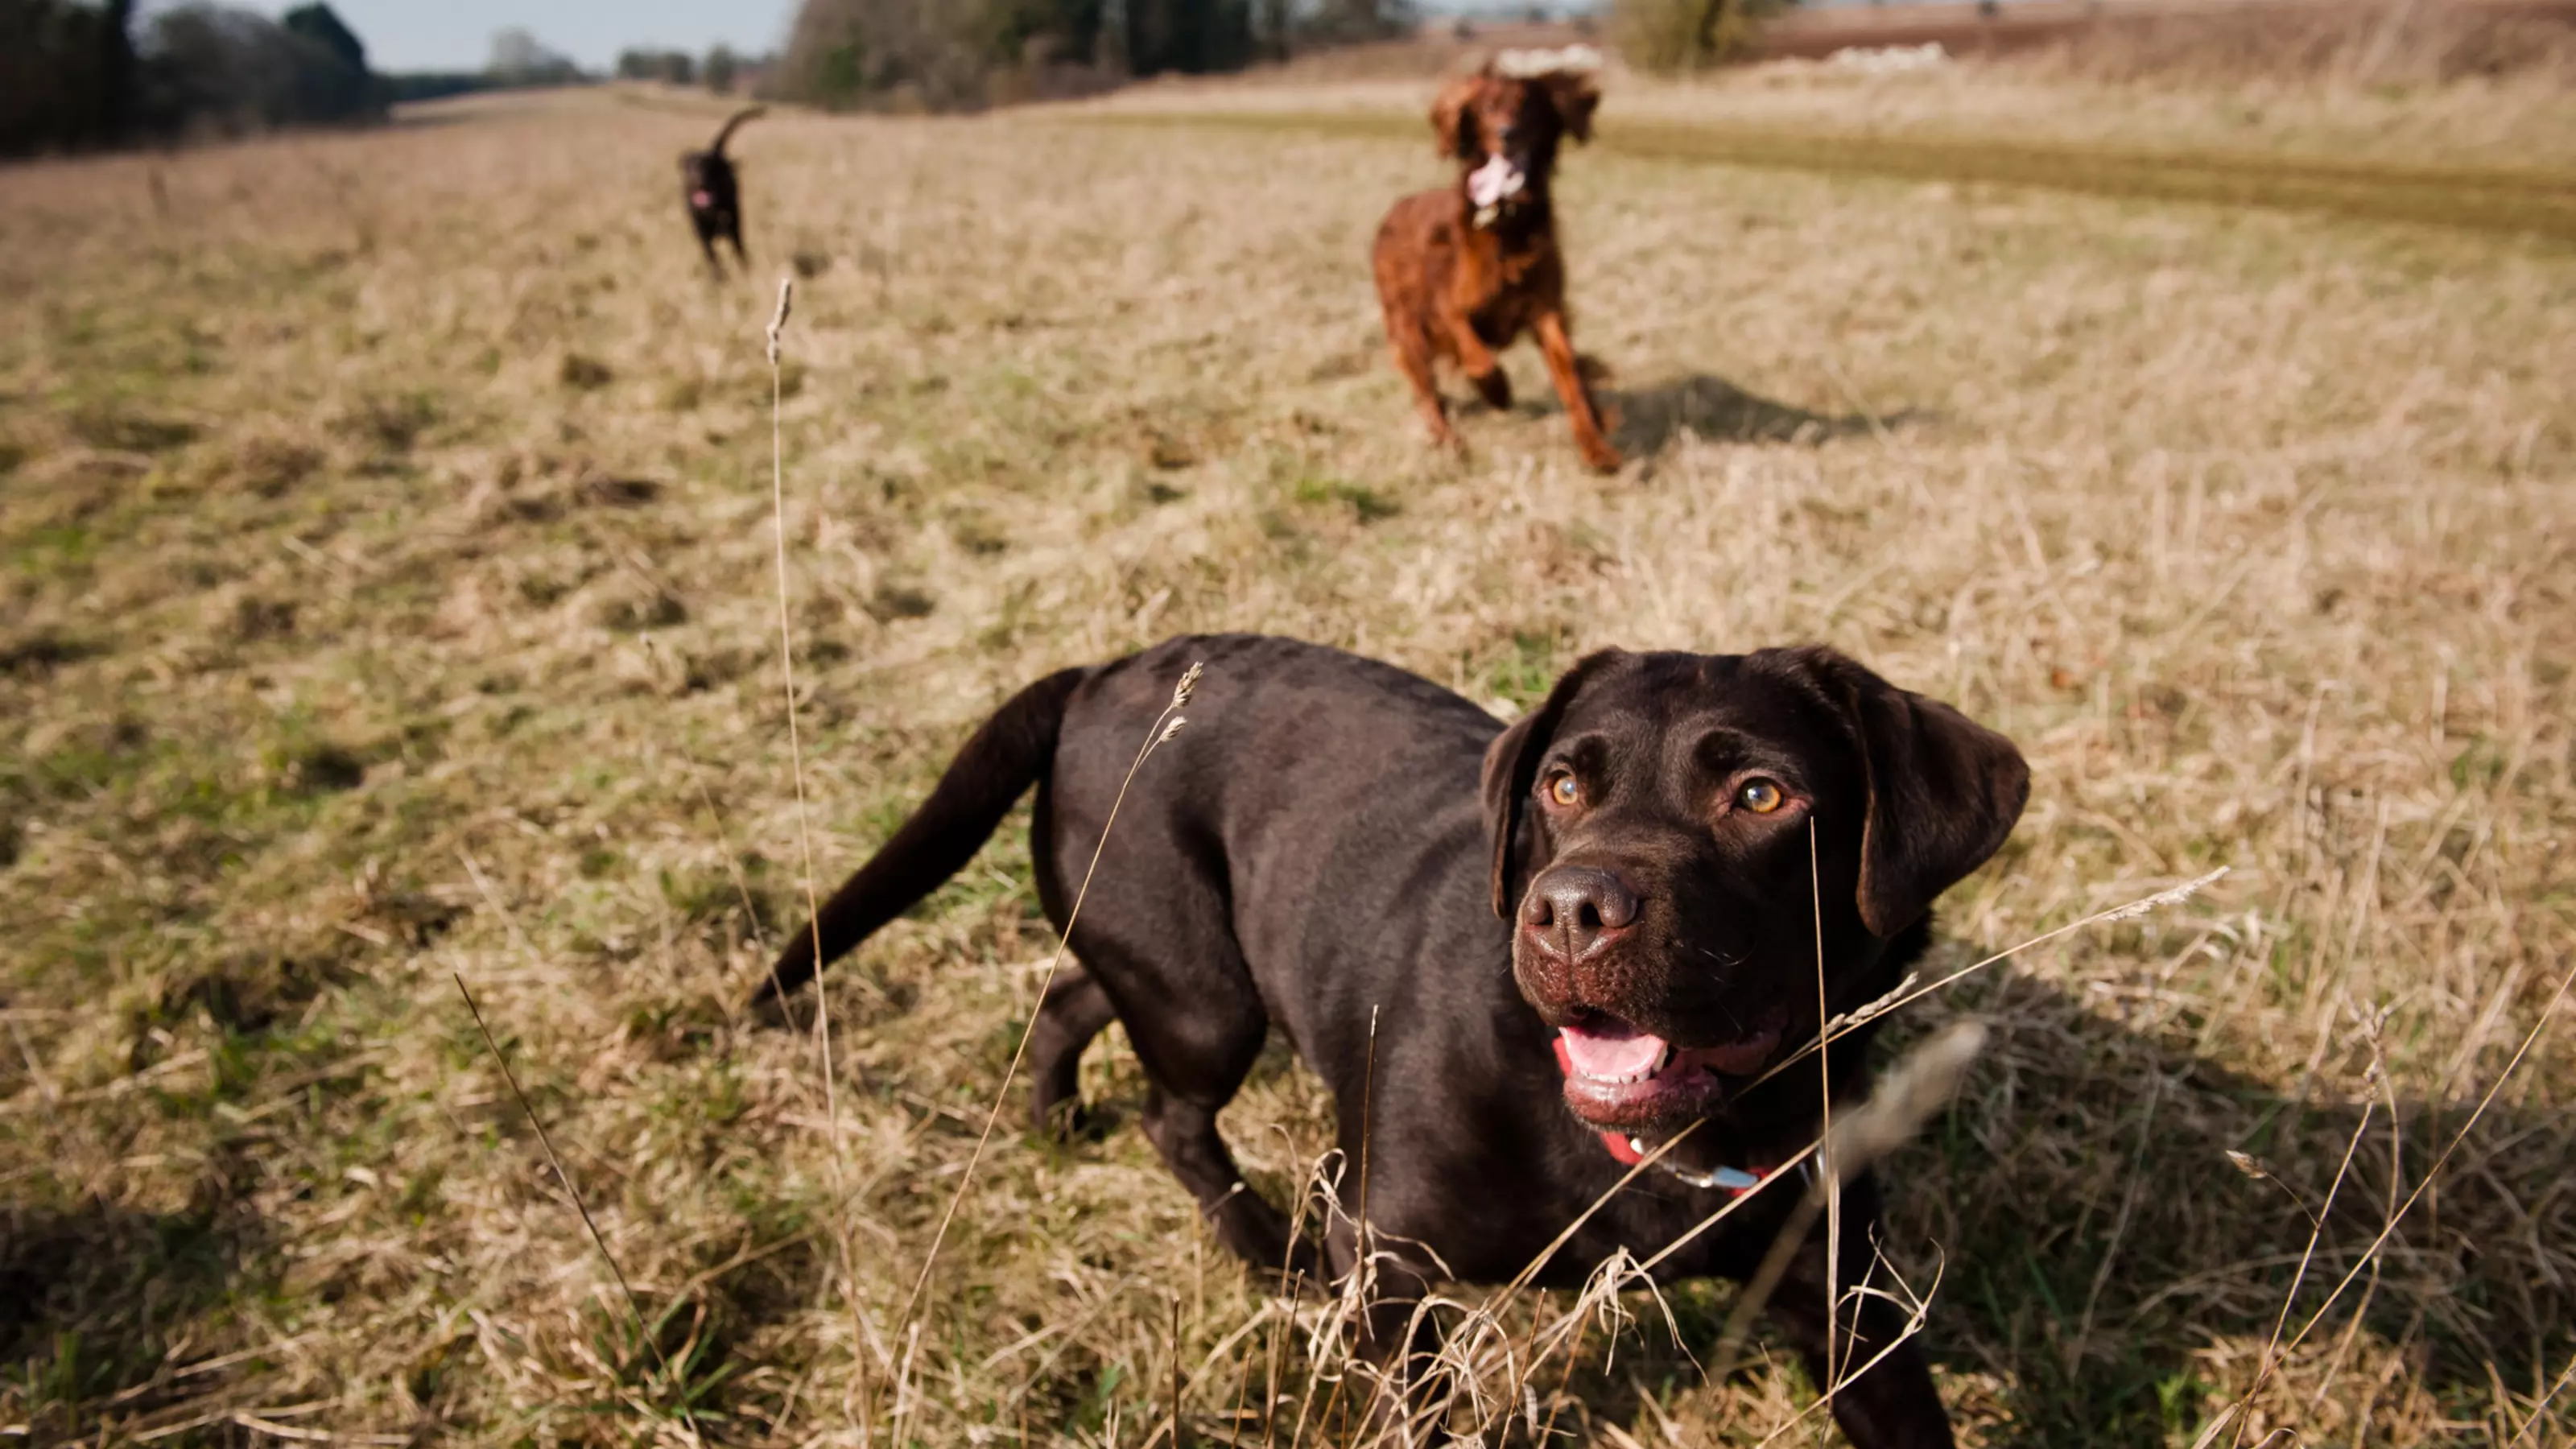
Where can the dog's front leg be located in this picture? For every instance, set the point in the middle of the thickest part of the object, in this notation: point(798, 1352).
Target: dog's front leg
point(1412, 350)
point(1566, 370)
point(1396, 1378)
point(1479, 363)
point(1184, 1132)
point(1893, 1405)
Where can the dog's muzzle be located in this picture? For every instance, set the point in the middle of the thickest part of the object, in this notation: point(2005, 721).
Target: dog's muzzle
point(1495, 185)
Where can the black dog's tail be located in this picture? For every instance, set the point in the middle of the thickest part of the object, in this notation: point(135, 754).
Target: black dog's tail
point(738, 117)
point(1011, 752)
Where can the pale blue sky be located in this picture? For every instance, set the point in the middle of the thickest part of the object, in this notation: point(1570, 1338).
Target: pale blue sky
point(457, 34)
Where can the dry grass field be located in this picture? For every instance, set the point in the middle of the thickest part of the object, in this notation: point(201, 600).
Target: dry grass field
point(2369, 40)
point(387, 599)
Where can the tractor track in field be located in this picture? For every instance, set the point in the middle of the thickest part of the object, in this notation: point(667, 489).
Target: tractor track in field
point(2527, 201)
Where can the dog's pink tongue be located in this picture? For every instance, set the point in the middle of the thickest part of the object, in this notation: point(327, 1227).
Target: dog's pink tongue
point(1594, 1055)
point(1495, 182)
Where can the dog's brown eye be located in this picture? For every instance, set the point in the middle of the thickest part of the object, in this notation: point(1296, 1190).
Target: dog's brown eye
point(1761, 796)
point(1562, 790)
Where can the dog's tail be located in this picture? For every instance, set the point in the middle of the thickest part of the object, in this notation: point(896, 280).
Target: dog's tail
point(736, 119)
point(1013, 751)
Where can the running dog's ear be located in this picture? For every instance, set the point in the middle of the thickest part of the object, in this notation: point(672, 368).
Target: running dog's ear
point(1511, 769)
point(1944, 791)
point(1575, 97)
point(1453, 117)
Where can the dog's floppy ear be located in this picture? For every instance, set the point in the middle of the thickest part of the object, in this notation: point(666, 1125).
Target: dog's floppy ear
point(1944, 792)
point(1575, 98)
point(1511, 768)
point(1453, 117)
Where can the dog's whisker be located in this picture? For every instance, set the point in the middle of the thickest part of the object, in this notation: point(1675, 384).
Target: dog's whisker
point(1726, 959)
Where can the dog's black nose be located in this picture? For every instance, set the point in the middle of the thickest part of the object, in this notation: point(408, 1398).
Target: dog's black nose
point(1572, 909)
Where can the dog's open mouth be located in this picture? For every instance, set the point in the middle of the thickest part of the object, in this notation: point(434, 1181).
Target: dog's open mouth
point(1618, 1076)
point(1496, 184)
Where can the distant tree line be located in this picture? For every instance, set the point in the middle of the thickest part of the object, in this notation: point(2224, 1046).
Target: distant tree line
point(75, 75)
point(720, 70)
point(945, 54)
point(78, 74)
point(520, 59)
point(1684, 35)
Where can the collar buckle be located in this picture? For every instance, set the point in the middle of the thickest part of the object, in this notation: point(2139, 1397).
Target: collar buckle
point(1722, 1179)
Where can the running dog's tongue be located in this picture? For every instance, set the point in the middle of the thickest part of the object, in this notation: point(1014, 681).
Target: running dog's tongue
point(1610, 1056)
point(1495, 182)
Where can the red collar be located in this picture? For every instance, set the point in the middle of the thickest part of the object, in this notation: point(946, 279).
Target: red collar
point(1628, 1151)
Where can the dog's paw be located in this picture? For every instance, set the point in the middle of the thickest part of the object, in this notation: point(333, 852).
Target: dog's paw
point(1299, 1273)
point(1068, 1123)
point(776, 1010)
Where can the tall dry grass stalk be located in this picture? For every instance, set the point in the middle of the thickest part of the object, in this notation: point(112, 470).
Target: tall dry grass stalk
point(1913, 988)
point(644, 1328)
point(1833, 1174)
point(863, 1382)
point(1159, 733)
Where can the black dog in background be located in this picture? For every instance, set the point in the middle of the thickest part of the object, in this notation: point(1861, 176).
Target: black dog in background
point(1518, 956)
point(715, 195)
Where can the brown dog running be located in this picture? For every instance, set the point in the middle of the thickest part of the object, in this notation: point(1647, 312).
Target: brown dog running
point(715, 194)
point(1518, 956)
point(1463, 272)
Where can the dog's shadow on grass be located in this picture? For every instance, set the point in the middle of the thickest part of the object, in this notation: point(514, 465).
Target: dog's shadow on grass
point(1651, 417)
point(1647, 418)
point(2095, 1242)
point(103, 1307)
point(93, 1296)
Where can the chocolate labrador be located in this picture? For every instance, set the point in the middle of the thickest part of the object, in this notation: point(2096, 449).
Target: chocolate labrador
point(715, 194)
point(1518, 956)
